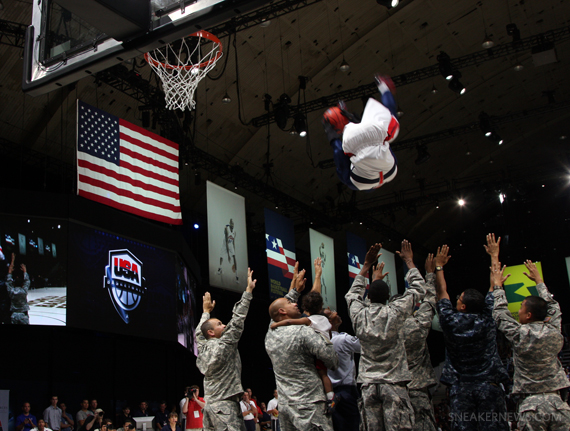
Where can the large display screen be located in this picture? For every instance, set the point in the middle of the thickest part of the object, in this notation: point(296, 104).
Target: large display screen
point(40, 245)
point(323, 246)
point(120, 285)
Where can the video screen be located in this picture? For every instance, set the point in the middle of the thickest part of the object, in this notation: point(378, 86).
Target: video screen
point(187, 319)
point(40, 245)
point(120, 285)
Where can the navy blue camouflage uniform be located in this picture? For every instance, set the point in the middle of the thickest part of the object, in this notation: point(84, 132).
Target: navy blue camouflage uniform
point(473, 368)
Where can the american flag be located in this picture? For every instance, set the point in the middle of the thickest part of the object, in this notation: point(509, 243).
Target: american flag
point(353, 265)
point(126, 167)
point(280, 257)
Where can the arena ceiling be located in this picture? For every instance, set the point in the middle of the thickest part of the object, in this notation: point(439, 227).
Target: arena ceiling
point(274, 169)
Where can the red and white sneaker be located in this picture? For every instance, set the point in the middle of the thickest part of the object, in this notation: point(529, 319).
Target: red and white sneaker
point(386, 80)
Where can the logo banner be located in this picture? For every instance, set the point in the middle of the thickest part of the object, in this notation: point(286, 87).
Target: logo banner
point(518, 286)
point(280, 250)
point(323, 246)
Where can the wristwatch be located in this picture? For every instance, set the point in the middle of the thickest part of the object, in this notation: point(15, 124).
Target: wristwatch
point(438, 268)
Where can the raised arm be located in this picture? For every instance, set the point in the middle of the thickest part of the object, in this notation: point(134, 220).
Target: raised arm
point(207, 307)
point(354, 297)
point(492, 247)
point(234, 328)
point(424, 315)
point(441, 259)
point(416, 285)
point(26, 284)
point(318, 273)
point(506, 323)
point(553, 308)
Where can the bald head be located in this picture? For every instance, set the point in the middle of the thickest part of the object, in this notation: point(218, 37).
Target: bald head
point(282, 308)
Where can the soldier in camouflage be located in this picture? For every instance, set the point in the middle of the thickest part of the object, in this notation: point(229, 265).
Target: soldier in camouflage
point(472, 367)
point(416, 330)
point(379, 327)
point(536, 341)
point(220, 363)
point(292, 350)
point(18, 296)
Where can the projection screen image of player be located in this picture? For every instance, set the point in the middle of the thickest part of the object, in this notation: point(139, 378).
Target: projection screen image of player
point(227, 239)
point(323, 246)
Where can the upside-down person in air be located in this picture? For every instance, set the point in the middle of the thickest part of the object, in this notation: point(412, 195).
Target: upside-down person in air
point(362, 153)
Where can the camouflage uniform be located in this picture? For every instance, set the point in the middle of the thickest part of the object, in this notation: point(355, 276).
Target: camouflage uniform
point(538, 372)
point(416, 330)
point(292, 350)
point(473, 368)
point(220, 362)
point(382, 370)
point(19, 300)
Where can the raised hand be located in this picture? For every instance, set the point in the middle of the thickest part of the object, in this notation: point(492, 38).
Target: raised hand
point(492, 247)
point(497, 274)
point(533, 273)
point(441, 257)
point(250, 281)
point(377, 274)
point(318, 267)
point(406, 254)
point(207, 303)
point(430, 264)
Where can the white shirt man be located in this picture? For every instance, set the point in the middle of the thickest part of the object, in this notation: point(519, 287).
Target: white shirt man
point(272, 409)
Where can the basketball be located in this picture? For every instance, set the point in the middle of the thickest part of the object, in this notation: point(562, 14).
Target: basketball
point(336, 119)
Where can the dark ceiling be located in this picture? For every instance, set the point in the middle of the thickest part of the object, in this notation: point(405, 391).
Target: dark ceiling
point(529, 107)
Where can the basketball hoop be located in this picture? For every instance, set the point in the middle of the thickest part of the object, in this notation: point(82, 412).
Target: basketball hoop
point(181, 66)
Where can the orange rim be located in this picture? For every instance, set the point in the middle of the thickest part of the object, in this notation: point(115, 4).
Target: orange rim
point(201, 33)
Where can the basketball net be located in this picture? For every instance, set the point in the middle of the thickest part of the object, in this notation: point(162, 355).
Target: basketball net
point(182, 65)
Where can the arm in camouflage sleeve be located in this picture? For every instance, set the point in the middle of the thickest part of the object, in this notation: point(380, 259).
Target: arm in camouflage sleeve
point(424, 315)
point(234, 328)
point(26, 285)
point(200, 339)
point(506, 323)
point(9, 283)
point(354, 299)
point(553, 307)
point(414, 293)
point(322, 349)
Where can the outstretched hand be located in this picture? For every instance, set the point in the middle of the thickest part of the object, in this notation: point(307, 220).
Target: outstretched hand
point(406, 254)
point(441, 257)
point(492, 247)
point(370, 259)
point(207, 303)
point(497, 274)
point(250, 281)
point(533, 273)
point(377, 274)
point(318, 267)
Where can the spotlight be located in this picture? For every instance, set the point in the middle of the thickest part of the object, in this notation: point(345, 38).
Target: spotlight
point(388, 3)
point(344, 66)
point(423, 155)
point(456, 86)
point(485, 123)
point(461, 202)
point(513, 31)
point(399, 112)
point(502, 197)
point(518, 67)
point(487, 42)
point(226, 99)
point(196, 226)
point(265, 23)
point(495, 138)
point(282, 111)
point(445, 67)
point(433, 89)
point(300, 125)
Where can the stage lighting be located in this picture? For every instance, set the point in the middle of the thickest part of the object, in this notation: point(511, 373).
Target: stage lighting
point(196, 226)
point(456, 86)
point(281, 110)
point(388, 3)
point(487, 42)
point(461, 202)
point(344, 66)
point(226, 99)
point(485, 124)
point(445, 67)
point(300, 125)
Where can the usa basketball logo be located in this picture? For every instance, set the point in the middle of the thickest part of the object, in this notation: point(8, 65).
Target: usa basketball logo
point(124, 281)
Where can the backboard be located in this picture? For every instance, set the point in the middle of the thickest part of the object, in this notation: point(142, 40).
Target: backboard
point(69, 40)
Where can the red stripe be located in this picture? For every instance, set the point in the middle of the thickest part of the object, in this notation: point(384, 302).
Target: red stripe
point(392, 129)
point(149, 174)
point(129, 209)
point(151, 135)
point(148, 160)
point(287, 275)
point(126, 179)
point(290, 261)
point(148, 147)
point(128, 194)
point(277, 263)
